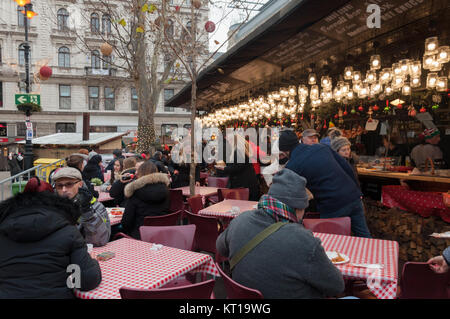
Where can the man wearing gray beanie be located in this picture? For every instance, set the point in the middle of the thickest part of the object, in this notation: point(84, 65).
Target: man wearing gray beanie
point(290, 262)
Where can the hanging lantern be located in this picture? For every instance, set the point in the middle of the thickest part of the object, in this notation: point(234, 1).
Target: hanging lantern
point(431, 80)
point(312, 79)
point(435, 66)
point(356, 87)
point(292, 90)
point(443, 55)
point(415, 68)
point(431, 45)
point(406, 89)
point(386, 75)
point(371, 77)
point(45, 72)
point(364, 92)
point(302, 91)
point(396, 68)
point(428, 61)
point(284, 92)
point(325, 81)
point(388, 90)
point(375, 62)
point(405, 66)
point(415, 82)
point(357, 77)
point(314, 94)
point(210, 26)
point(441, 84)
point(348, 73)
point(397, 83)
point(106, 49)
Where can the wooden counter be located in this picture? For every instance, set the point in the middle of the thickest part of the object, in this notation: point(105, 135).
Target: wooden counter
point(403, 176)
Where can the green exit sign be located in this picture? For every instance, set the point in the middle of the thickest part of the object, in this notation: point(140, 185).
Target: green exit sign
point(27, 98)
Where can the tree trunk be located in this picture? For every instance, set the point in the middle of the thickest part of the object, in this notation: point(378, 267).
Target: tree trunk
point(146, 126)
point(193, 112)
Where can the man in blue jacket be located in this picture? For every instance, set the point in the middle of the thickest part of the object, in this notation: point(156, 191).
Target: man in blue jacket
point(331, 180)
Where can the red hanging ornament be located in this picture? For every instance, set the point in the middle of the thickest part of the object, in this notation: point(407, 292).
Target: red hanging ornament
point(336, 116)
point(210, 26)
point(360, 108)
point(422, 110)
point(312, 116)
point(376, 108)
point(345, 112)
point(324, 123)
point(45, 72)
point(399, 106)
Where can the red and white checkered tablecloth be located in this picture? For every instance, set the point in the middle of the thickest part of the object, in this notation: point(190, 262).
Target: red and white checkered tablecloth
point(136, 266)
point(199, 190)
point(223, 208)
point(114, 219)
point(381, 282)
point(425, 204)
point(104, 196)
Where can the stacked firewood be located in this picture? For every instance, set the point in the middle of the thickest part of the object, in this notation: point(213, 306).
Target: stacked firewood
point(410, 230)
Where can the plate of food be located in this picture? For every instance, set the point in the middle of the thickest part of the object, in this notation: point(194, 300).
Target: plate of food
point(337, 258)
point(116, 211)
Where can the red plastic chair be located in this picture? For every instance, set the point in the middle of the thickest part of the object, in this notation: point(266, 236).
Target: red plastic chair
point(196, 203)
point(339, 225)
point(176, 200)
point(181, 237)
point(207, 231)
point(201, 290)
point(163, 220)
point(237, 291)
point(219, 182)
point(420, 282)
point(233, 193)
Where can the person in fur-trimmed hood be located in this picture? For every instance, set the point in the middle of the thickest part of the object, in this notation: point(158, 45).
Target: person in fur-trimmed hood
point(147, 196)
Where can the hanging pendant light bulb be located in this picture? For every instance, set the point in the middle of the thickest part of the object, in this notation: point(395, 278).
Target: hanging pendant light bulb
point(357, 77)
point(432, 80)
point(371, 77)
point(431, 45)
point(415, 82)
point(406, 89)
point(428, 60)
point(386, 75)
point(415, 68)
point(284, 92)
point(312, 79)
point(325, 82)
point(435, 66)
point(292, 90)
point(443, 55)
point(302, 91)
point(404, 66)
point(375, 62)
point(442, 84)
point(314, 94)
point(348, 73)
point(388, 90)
point(396, 68)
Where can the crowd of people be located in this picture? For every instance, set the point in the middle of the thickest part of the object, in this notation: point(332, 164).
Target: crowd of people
point(46, 228)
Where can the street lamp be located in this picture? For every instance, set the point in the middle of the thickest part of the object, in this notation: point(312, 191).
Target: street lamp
point(28, 14)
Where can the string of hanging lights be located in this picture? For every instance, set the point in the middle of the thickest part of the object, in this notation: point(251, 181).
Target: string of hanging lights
point(402, 77)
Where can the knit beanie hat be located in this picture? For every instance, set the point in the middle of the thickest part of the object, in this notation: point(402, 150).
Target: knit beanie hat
point(337, 140)
point(289, 188)
point(288, 141)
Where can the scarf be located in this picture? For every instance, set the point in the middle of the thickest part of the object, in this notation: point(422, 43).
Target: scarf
point(276, 209)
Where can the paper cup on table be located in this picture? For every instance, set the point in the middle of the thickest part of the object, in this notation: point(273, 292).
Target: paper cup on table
point(235, 210)
point(90, 249)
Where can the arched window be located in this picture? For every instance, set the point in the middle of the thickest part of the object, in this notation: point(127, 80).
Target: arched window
point(106, 24)
point(63, 18)
point(64, 57)
point(107, 62)
point(95, 59)
point(95, 23)
point(22, 54)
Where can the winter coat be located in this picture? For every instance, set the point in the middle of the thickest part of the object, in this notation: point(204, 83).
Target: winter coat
point(94, 223)
point(38, 240)
point(290, 263)
point(329, 177)
point(183, 177)
point(159, 164)
point(147, 196)
point(117, 188)
point(93, 170)
point(243, 175)
point(14, 166)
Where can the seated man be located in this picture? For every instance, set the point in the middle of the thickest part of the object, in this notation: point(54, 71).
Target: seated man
point(290, 263)
point(94, 222)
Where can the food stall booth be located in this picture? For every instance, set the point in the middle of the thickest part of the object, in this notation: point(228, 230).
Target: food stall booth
point(323, 64)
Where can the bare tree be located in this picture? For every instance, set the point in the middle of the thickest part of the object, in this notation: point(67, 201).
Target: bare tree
point(128, 28)
point(190, 47)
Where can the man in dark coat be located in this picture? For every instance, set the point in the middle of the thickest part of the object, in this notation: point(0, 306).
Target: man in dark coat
point(157, 160)
point(290, 263)
point(39, 239)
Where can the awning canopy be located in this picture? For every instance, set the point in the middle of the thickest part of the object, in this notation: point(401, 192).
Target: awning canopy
point(323, 36)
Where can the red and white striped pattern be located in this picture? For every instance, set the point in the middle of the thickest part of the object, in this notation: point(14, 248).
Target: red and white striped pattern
point(382, 282)
point(223, 208)
point(114, 219)
point(135, 265)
